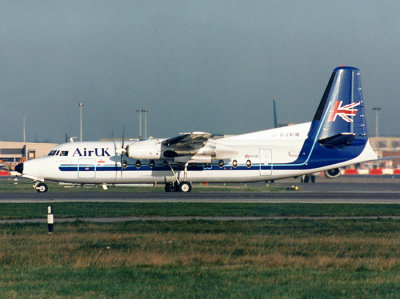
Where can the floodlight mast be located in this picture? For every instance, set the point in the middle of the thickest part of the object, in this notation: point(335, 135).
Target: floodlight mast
point(145, 111)
point(24, 128)
point(376, 109)
point(81, 104)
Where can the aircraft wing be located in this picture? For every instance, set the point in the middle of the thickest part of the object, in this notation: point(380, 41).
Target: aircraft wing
point(185, 144)
point(188, 147)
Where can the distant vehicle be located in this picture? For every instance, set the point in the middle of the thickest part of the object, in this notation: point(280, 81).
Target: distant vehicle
point(336, 137)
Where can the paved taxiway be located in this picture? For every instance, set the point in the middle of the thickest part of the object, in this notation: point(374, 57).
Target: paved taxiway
point(341, 190)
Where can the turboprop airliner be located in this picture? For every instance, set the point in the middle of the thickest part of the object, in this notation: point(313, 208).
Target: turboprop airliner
point(336, 137)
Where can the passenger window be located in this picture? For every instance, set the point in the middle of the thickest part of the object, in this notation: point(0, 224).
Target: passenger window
point(234, 163)
point(152, 164)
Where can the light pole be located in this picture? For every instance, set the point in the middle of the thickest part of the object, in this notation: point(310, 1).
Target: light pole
point(145, 111)
point(81, 104)
point(24, 128)
point(145, 122)
point(140, 122)
point(376, 109)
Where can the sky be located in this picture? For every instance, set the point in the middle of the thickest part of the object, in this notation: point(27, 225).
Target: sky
point(211, 66)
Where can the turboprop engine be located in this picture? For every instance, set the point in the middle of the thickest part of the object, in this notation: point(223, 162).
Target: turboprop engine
point(147, 149)
point(191, 147)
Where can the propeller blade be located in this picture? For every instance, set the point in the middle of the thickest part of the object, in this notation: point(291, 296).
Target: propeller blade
point(123, 150)
point(115, 147)
point(123, 137)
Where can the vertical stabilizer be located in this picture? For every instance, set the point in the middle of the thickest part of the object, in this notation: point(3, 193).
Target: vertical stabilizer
point(340, 118)
point(338, 132)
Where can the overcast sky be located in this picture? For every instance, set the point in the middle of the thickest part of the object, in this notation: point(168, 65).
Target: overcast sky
point(211, 66)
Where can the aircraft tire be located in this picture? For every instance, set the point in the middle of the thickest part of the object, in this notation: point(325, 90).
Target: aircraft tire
point(185, 187)
point(171, 187)
point(42, 188)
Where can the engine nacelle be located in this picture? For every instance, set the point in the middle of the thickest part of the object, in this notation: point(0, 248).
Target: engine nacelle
point(147, 149)
point(332, 173)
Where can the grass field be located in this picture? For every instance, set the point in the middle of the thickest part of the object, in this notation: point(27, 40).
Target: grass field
point(260, 259)
point(123, 209)
point(287, 258)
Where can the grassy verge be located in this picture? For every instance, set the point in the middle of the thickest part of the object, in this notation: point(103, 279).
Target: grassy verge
point(260, 259)
point(120, 209)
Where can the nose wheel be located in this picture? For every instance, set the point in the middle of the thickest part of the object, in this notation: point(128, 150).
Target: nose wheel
point(41, 187)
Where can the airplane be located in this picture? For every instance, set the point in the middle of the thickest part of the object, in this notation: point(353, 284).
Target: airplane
point(336, 137)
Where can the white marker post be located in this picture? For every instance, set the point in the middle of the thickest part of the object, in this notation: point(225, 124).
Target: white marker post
point(50, 219)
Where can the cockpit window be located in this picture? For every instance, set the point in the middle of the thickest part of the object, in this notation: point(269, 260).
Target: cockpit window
point(64, 153)
point(57, 152)
point(52, 153)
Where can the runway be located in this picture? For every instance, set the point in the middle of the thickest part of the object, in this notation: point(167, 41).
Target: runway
point(342, 190)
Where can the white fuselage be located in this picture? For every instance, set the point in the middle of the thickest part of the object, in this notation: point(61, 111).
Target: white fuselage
point(248, 157)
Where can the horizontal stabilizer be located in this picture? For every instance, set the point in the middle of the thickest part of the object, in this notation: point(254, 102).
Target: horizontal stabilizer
point(338, 140)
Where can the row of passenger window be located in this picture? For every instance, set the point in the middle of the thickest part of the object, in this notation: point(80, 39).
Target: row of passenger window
point(221, 164)
point(152, 163)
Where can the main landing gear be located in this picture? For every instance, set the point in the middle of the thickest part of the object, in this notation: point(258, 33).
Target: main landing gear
point(308, 178)
point(40, 187)
point(178, 186)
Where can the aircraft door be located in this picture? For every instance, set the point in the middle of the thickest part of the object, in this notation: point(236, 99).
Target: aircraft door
point(265, 161)
point(86, 168)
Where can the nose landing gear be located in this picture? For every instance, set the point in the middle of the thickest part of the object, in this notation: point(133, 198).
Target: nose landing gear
point(40, 187)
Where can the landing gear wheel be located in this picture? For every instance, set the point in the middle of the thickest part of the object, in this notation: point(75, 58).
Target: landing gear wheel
point(308, 178)
point(171, 187)
point(42, 188)
point(185, 187)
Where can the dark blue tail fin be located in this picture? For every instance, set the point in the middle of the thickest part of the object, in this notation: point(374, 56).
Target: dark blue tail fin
point(340, 118)
point(338, 132)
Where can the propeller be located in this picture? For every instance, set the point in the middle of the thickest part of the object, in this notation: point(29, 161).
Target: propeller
point(122, 151)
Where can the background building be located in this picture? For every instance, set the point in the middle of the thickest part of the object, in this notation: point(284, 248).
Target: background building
point(13, 152)
point(387, 147)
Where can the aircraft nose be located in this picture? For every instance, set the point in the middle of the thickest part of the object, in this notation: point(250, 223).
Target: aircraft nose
point(19, 168)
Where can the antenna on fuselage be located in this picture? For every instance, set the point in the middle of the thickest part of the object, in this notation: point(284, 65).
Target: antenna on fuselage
point(72, 139)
